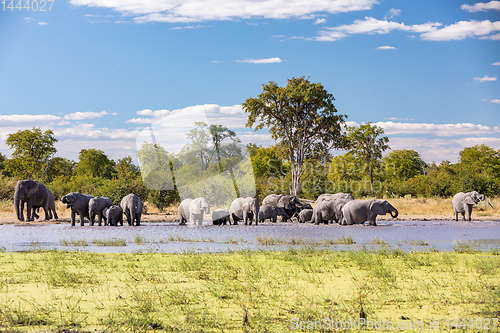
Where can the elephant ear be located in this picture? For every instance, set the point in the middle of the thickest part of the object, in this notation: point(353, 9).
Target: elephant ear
point(377, 207)
point(468, 199)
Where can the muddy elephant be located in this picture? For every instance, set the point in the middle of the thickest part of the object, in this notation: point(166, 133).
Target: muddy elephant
point(463, 202)
point(360, 211)
point(113, 215)
point(289, 203)
point(220, 216)
point(245, 209)
point(192, 210)
point(96, 206)
point(271, 213)
point(132, 208)
point(328, 207)
point(79, 204)
point(34, 194)
point(305, 215)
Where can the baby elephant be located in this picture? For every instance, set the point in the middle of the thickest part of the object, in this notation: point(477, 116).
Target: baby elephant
point(305, 215)
point(271, 213)
point(220, 216)
point(132, 207)
point(113, 215)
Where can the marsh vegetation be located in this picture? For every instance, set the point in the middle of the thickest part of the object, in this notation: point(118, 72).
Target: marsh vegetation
point(251, 291)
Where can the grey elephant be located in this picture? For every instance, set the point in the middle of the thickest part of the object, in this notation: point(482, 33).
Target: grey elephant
point(360, 211)
point(220, 216)
point(271, 213)
point(132, 207)
point(463, 202)
point(192, 210)
point(288, 202)
point(300, 208)
point(245, 209)
point(79, 204)
point(34, 194)
point(328, 207)
point(305, 215)
point(52, 207)
point(96, 205)
point(113, 215)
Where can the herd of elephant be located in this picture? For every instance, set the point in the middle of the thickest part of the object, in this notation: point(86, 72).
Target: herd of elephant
point(37, 196)
point(339, 207)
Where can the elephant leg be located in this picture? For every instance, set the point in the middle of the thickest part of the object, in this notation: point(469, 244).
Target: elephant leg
point(469, 214)
point(129, 218)
point(55, 214)
point(463, 216)
point(73, 217)
point(138, 219)
point(82, 218)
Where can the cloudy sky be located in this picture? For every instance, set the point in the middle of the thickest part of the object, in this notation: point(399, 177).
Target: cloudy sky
point(106, 74)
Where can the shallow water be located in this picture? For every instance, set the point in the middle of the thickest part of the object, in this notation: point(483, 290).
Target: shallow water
point(441, 235)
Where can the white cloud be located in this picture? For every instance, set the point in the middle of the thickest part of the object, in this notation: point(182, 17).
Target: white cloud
point(84, 115)
point(320, 20)
point(495, 101)
point(209, 10)
point(428, 31)
point(371, 25)
point(393, 12)
point(437, 129)
point(485, 78)
point(261, 61)
point(462, 30)
point(386, 48)
point(496, 63)
point(19, 119)
point(42, 23)
point(481, 6)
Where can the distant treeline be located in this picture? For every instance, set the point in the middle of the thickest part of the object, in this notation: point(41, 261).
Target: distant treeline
point(399, 173)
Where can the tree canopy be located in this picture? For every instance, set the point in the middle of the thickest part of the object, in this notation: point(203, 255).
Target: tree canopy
point(94, 163)
point(33, 150)
point(363, 143)
point(301, 117)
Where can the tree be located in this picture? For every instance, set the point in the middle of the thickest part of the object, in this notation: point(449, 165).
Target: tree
point(157, 171)
point(2, 162)
point(33, 150)
point(94, 163)
point(404, 164)
point(302, 119)
point(363, 143)
point(126, 170)
point(60, 167)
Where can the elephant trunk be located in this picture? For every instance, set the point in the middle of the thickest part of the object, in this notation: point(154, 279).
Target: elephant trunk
point(17, 203)
point(394, 213)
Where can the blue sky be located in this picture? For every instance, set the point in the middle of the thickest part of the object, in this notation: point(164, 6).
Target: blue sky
point(100, 72)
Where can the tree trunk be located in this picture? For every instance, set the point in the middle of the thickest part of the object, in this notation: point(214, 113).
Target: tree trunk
point(370, 171)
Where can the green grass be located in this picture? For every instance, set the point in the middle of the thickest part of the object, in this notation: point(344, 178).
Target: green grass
point(250, 291)
point(109, 242)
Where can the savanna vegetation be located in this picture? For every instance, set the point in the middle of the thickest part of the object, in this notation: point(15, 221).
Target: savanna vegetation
point(248, 291)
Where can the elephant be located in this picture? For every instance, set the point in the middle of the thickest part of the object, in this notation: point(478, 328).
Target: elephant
point(113, 215)
point(300, 208)
point(359, 211)
point(305, 215)
point(34, 194)
point(271, 213)
point(463, 202)
point(52, 207)
point(328, 207)
point(132, 207)
point(79, 204)
point(96, 205)
point(288, 202)
point(191, 210)
point(245, 209)
point(220, 216)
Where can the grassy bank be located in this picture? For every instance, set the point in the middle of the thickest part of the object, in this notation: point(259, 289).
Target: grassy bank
point(253, 291)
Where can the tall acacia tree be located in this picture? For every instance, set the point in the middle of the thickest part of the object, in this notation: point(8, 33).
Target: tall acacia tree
point(363, 143)
point(33, 150)
point(302, 119)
